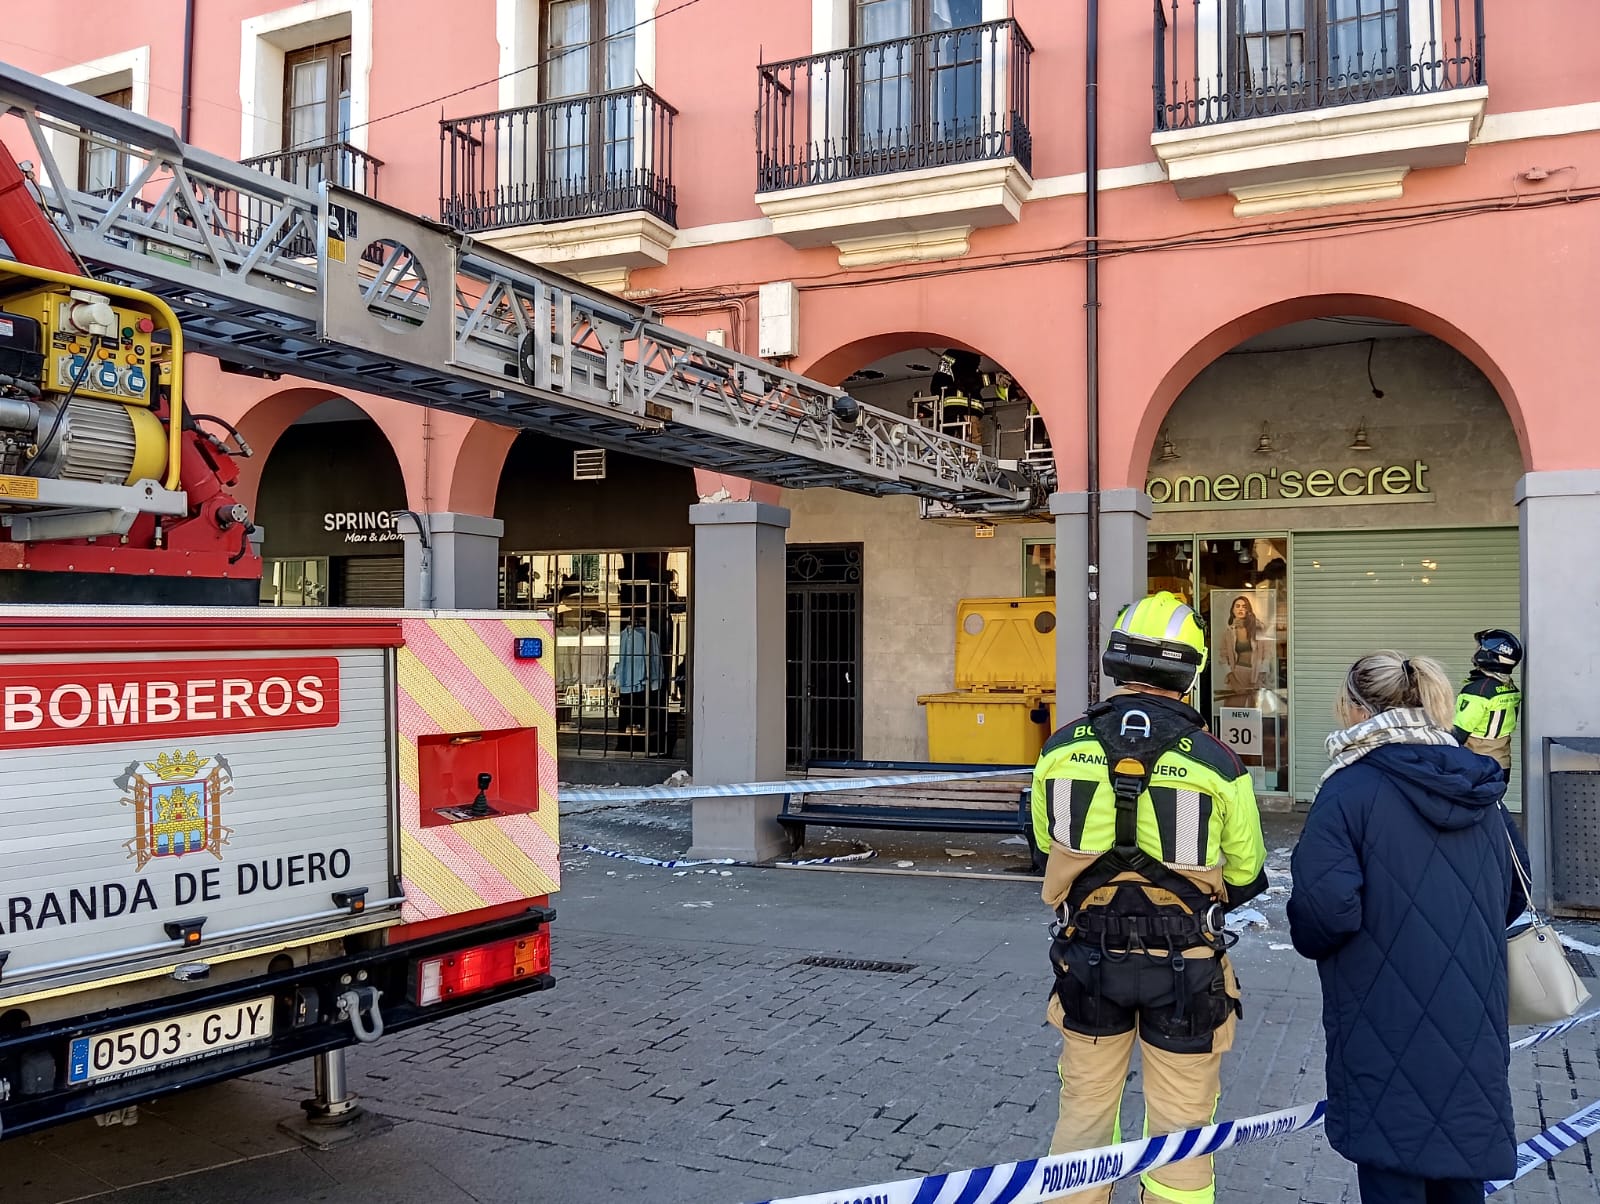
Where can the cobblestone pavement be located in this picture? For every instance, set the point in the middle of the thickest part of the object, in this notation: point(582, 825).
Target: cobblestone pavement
point(690, 1054)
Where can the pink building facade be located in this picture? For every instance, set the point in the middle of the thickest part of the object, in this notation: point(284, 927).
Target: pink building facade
point(1344, 364)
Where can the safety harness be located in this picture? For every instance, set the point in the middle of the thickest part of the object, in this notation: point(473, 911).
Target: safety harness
point(1169, 913)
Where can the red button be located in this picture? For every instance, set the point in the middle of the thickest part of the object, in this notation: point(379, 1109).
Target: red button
point(146, 325)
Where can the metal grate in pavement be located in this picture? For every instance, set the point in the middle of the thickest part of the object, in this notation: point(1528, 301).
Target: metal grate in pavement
point(850, 963)
point(1580, 963)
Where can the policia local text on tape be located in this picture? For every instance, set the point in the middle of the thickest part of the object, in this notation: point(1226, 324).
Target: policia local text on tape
point(1153, 834)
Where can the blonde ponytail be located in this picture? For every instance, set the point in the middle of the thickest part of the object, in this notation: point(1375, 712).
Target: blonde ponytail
point(1390, 681)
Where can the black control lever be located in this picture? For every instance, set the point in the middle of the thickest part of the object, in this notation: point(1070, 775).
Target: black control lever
point(480, 805)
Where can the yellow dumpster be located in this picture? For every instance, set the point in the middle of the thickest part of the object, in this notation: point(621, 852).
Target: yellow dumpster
point(1003, 707)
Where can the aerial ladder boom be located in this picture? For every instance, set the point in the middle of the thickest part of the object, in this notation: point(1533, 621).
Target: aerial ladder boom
point(334, 287)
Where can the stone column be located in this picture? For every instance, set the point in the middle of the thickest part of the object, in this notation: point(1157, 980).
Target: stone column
point(1123, 577)
point(1559, 513)
point(463, 565)
point(737, 678)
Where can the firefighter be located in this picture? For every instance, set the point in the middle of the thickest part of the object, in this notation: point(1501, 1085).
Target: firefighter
point(1490, 702)
point(1153, 834)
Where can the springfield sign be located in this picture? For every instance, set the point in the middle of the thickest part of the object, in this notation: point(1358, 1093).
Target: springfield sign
point(363, 526)
point(1274, 487)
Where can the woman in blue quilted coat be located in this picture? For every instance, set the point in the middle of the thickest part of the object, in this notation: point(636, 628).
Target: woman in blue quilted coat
point(1403, 889)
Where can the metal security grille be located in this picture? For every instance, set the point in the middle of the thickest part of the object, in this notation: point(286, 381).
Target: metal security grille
point(824, 653)
point(1423, 592)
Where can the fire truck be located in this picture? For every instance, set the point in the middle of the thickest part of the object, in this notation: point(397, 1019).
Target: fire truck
point(233, 838)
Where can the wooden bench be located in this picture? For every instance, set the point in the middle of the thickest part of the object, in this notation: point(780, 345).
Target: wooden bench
point(999, 804)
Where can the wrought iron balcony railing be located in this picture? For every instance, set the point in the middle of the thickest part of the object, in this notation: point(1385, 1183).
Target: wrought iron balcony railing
point(336, 162)
point(951, 96)
point(585, 156)
point(1228, 60)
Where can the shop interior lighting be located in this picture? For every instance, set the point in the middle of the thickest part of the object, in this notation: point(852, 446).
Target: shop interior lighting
point(1264, 443)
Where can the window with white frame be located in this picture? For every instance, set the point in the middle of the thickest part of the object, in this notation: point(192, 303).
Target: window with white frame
point(917, 81)
point(1260, 58)
point(588, 53)
point(98, 166)
point(303, 79)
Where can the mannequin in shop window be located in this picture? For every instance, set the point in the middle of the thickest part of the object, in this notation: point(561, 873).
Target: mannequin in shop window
point(1245, 652)
point(641, 698)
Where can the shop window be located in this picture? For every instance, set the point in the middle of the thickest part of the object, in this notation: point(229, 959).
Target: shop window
point(1038, 568)
point(1240, 587)
point(103, 170)
point(294, 582)
point(621, 656)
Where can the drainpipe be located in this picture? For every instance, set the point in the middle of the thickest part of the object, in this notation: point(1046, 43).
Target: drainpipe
point(188, 69)
point(1091, 310)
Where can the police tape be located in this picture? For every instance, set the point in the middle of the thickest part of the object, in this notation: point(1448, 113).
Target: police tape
point(1038, 1179)
point(1551, 1144)
point(642, 794)
point(1555, 1030)
point(1042, 1179)
point(639, 859)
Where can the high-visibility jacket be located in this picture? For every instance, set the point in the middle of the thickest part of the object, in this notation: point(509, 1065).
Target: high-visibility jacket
point(1486, 715)
point(1198, 816)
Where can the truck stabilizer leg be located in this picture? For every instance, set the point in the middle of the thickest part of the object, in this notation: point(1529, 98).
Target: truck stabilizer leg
point(333, 1117)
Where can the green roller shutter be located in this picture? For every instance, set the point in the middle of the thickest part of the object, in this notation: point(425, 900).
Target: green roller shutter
point(1422, 592)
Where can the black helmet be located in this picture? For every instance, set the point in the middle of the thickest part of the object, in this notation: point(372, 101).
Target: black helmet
point(1498, 651)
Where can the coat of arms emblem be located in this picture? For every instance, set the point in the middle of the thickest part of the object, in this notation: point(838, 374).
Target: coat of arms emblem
point(177, 802)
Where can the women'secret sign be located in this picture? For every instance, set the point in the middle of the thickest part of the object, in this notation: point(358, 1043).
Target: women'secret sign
point(43, 705)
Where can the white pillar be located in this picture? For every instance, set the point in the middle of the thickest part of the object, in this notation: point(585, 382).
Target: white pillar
point(737, 680)
point(1123, 577)
point(1559, 513)
point(463, 565)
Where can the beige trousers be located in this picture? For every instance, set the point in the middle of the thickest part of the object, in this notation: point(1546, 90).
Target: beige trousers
point(1180, 1092)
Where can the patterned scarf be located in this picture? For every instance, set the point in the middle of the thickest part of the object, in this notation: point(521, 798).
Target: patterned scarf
point(1407, 725)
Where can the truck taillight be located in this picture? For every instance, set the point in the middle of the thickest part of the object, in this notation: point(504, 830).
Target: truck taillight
point(482, 967)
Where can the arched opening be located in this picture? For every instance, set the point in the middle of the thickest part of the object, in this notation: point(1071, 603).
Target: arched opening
point(328, 490)
point(874, 584)
point(601, 541)
point(1323, 488)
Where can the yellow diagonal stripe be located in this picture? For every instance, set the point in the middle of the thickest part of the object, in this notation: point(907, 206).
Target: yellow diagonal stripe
point(502, 853)
point(431, 694)
point(434, 878)
point(410, 767)
point(491, 672)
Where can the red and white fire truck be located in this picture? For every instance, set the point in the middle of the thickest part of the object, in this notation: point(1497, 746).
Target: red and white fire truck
point(231, 838)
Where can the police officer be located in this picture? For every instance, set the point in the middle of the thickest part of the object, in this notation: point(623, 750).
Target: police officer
point(1490, 702)
point(1153, 834)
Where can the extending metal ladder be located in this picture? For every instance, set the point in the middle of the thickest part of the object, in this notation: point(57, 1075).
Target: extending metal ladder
point(334, 287)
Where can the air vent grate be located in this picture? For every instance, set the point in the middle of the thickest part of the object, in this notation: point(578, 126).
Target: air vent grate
point(589, 464)
point(849, 963)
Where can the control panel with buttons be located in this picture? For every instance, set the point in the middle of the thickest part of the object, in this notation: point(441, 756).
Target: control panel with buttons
point(108, 354)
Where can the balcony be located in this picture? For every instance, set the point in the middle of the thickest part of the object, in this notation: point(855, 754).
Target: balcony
point(336, 162)
point(1295, 104)
point(583, 184)
point(896, 151)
